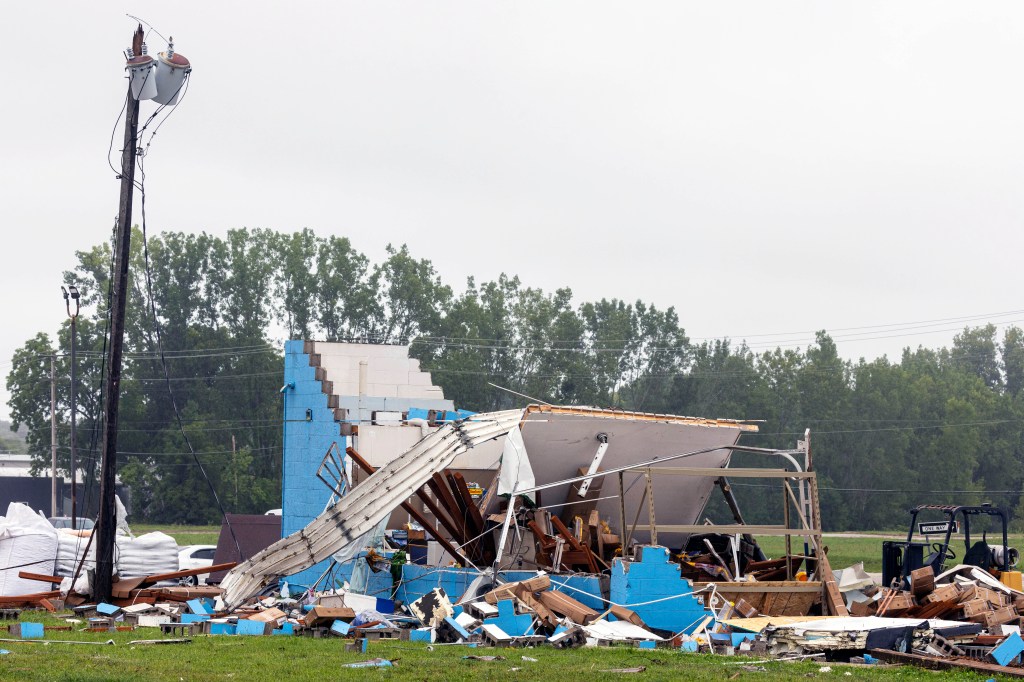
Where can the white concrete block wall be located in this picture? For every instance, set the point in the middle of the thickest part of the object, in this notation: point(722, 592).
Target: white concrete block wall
point(390, 372)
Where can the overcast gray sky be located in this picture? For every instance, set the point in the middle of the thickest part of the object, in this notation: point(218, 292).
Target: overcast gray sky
point(764, 167)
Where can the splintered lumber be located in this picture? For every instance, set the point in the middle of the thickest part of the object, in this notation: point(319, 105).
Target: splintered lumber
point(936, 663)
point(477, 519)
point(545, 544)
point(543, 612)
point(922, 581)
point(508, 590)
point(566, 606)
point(176, 594)
point(412, 511)
point(55, 579)
point(438, 513)
point(319, 615)
point(622, 613)
point(150, 579)
point(560, 528)
point(29, 598)
point(122, 589)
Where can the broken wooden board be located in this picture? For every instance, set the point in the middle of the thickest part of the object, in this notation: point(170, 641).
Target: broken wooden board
point(774, 598)
point(936, 663)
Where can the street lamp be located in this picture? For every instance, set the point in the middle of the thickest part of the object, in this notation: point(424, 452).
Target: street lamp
point(71, 293)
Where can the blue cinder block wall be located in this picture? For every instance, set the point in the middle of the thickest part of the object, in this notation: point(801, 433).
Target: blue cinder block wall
point(653, 588)
point(307, 437)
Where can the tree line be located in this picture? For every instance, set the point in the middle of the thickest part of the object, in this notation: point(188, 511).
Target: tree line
point(935, 425)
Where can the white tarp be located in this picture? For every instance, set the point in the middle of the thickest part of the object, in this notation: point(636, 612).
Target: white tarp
point(27, 543)
point(516, 471)
point(618, 631)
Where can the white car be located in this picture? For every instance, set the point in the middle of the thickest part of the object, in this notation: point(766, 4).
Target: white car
point(195, 556)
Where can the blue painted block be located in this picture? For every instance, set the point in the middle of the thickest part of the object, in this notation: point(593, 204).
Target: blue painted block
point(633, 583)
point(285, 629)
point(417, 413)
point(197, 606)
point(419, 636)
point(646, 644)
point(507, 620)
point(194, 617)
point(251, 627)
point(462, 632)
point(107, 609)
point(740, 637)
point(31, 630)
point(1009, 649)
point(689, 646)
point(340, 627)
point(222, 628)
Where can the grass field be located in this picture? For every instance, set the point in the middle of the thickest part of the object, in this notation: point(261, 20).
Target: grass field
point(274, 659)
point(183, 535)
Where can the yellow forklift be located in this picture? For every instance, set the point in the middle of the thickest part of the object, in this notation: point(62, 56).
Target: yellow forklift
point(899, 558)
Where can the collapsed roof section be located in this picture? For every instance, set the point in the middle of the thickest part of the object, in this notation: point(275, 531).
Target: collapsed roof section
point(562, 442)
point(357, 513)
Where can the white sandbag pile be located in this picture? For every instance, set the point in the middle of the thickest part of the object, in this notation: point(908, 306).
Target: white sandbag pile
point(71, 545)
point(27, 543)
point(149, 554)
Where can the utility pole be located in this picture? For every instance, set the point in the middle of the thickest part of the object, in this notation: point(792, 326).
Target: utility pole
point(53, 434)
point(107, 521)
point(73, 295)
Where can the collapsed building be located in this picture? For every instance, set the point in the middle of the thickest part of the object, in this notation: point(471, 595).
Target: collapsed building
point(371, 445)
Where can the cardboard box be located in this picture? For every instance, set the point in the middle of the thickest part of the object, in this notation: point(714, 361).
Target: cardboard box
point(564, 605)
point(922, 581)
point(899, 603)
point(978, 592)
point(275, 616)
point(975, 607)
point(946, 592)
point(325, 615)
point(996, 617)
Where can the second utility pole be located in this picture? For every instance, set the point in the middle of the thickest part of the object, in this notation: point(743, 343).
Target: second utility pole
point(107, 522)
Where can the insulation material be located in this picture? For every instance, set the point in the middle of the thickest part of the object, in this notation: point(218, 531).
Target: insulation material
point(149, 554)
point(27, 543)
point(516, 472)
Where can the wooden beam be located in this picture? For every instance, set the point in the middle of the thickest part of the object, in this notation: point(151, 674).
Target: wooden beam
point(189, 572)
point(414, 513)
point(936, 663)
point(424, 497)
point(55, 579)
point(439, 486)
point(486, 543)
